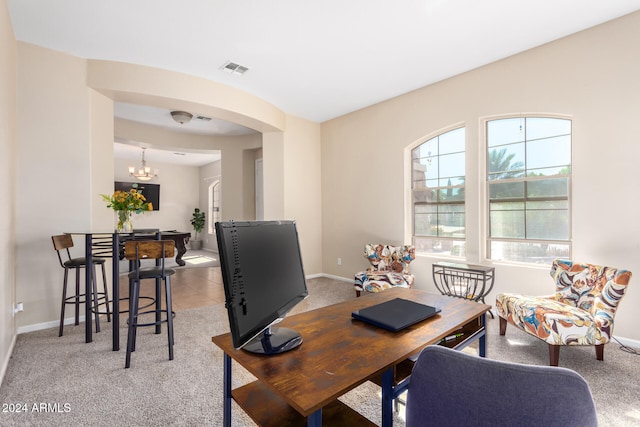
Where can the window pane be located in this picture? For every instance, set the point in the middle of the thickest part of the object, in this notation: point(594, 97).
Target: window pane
point(421, 195)
point(506, 206)
point(452, 165)
point(549, 152)
point(452, 142)
point(541, 253)
point(548, 224)
point(544, 127)
point(432, 168)
point(452, 247)
point(451, 224)
point(564, 170)
point(452, 194)
point(548, 188)
point(506, 190)
point(508, 224)
point(426, 149)
point(506, 161)
point(505, 131)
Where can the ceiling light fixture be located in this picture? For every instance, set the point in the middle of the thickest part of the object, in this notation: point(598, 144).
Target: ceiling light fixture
point(144, 172)
point(181, 117)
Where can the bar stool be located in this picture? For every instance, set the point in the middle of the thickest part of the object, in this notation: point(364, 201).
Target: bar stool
point(62, 243)
point(138, 250)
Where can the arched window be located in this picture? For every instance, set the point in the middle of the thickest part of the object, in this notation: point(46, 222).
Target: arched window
point(437, 186)
point(214, 205)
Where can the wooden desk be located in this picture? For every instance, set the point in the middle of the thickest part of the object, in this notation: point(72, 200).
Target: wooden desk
point(338, 354)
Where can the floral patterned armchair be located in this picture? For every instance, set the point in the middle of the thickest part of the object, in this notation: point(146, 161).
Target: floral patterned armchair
point(581, 311)
point(389, 268)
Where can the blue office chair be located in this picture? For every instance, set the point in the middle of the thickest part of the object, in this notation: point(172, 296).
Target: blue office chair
point(451, 388)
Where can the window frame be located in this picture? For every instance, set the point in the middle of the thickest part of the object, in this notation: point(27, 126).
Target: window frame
point(525, 179)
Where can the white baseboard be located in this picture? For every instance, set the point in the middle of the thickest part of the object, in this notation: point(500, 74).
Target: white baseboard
point(627, 342)
point(46, 325)
point(5, 362)
point(331, 276)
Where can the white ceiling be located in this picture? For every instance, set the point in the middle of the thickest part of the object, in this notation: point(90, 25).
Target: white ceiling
point(161, 117)
point(313, 59)
point(132, 151)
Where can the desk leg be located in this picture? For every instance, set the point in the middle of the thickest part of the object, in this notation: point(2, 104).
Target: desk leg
point(115, 292)
point(315, 419)
point(482, 345)
point(227, 391)
point(387, 398)
point(88, 279)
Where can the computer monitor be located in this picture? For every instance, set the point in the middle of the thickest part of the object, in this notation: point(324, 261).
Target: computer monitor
point(263, 280)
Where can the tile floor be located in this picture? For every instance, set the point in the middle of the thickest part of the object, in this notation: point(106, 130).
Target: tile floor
point(191, 288)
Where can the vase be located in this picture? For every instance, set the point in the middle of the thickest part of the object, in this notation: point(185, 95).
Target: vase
point(124, 222)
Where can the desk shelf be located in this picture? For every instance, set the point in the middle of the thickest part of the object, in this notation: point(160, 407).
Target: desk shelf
point(268, 410)
point(402, 370)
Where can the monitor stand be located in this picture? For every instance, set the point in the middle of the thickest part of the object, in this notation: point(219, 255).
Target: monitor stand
point(274, 341)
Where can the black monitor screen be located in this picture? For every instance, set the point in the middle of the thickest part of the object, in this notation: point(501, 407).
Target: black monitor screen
point(263, 279)
point(151, 192)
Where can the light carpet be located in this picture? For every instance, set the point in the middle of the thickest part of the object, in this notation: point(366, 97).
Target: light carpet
point(63, 381)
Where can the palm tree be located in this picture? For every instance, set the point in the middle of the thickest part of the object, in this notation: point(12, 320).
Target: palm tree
point(500, 166)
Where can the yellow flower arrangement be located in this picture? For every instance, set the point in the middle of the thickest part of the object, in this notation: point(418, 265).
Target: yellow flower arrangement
point(132, 201)
point(125, 203)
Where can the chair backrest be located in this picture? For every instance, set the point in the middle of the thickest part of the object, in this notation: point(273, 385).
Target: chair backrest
point(451, 388)
point(389, 258)
point(62, 243)
point(135, 250)
point(590, 287)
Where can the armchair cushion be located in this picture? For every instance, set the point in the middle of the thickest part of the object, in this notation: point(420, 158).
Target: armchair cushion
point(389, 268)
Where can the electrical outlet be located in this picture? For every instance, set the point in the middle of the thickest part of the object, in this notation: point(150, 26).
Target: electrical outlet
point(339, 261)
point(19, 307)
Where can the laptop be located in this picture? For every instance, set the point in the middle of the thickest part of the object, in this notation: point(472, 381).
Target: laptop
point(396, 314)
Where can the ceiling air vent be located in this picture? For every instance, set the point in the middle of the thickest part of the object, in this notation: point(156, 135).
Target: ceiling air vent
point(232, 67)
point(203, 118)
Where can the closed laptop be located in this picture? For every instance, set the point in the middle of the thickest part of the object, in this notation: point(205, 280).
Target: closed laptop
point(396, 314)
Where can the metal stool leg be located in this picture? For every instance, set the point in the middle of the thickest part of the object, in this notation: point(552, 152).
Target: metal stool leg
point(133, 322)
point(158, 306)
point(77, 302)
point(94, 287)
point(167, 288)
point(64, 301)
point(106, 293)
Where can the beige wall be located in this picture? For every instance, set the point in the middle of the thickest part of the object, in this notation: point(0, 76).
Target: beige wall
point(302, 187)
point(65, 130)
point(236, 166)
point(54, 138)
point(7, 185)
point(591, 76)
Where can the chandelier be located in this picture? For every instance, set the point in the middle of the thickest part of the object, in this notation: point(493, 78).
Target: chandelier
point(143, 173)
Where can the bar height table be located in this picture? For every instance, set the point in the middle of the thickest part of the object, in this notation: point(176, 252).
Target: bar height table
point(114, 253)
